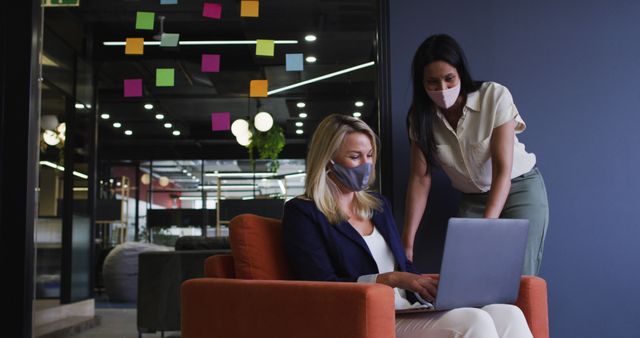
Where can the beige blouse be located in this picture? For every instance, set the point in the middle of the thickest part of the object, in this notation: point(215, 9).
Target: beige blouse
point(464, 153)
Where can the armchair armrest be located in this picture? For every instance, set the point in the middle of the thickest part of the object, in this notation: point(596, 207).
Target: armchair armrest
point(286, 309)
point(532, 300)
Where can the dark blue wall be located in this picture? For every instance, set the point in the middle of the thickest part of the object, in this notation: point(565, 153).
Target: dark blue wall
point(573, 68)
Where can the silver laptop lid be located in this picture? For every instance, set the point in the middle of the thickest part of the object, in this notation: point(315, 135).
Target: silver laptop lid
point(482, 262)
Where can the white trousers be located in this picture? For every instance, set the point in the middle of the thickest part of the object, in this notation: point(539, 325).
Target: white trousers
point(491, 321)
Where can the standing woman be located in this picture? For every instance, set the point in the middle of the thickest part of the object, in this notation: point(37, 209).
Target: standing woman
point(469, 130)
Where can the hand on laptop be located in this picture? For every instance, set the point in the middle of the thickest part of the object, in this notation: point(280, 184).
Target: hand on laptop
point(424, 285)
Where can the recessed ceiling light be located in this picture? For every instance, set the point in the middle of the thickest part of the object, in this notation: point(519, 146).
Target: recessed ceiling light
point(79, 106)
point(359, 103)
point(302, 115)
point(184, 171)
point(176, 133)
point(148, 106)
point(299, 131)
point(168, 125)
point(357, 114)
point(117, 124)
point(128, 132)
point(105, 116)
point(301, 105)
point(88, 106)
point(311, 59)
point(159, 116)
point(299, 124)
point(310, 37)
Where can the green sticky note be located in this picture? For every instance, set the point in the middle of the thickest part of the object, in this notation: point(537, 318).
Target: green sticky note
point(169, 40)
point(264, 47)
point(145, 20)
point(165, 77)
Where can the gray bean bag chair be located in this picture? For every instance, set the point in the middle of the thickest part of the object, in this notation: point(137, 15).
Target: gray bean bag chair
point(120, 270)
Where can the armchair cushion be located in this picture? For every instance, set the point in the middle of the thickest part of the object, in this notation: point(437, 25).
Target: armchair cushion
point(256, 243)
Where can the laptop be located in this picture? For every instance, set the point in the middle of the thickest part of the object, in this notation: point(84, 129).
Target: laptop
point(481, 264)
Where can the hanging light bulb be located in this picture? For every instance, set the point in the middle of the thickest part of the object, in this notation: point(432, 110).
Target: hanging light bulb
point(49, 122)
point(50, 137)
point(239, 127)
point(263, 121)
point(163, 181)
point(145, 179)
point(244, 140)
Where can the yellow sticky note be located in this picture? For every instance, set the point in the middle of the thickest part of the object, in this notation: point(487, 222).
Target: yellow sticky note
point(258, 88)
point(134, 46)
point(249, 8)
point(264, 47)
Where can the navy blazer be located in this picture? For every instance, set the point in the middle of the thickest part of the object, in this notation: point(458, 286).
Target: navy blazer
point(320, 251)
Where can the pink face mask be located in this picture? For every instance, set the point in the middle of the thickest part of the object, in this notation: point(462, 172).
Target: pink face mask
point(445, 98)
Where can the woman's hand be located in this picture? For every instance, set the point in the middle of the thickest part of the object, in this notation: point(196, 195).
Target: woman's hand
point(424, 285)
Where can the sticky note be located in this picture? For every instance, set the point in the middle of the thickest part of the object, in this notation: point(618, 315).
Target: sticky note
point(211, 10)
point(169, 40)
point(220, 121)
point(258, 88)
point(165, 77)
point(249, 8)
point(210, 63)
point(264, 47)
point(168, 2)
point(132, 87)
point(134, 46)
point(145, 20)
point(294, 62)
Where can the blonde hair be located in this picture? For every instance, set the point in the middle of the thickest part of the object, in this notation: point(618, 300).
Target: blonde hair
point(325, 142)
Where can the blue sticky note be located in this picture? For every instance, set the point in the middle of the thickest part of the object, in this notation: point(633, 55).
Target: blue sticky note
point(168, 2)
point(294, 62)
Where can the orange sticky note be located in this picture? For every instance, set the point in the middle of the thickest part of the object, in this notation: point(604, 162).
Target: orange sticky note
point(134, 46)
point(258, 88)
point(249, 8)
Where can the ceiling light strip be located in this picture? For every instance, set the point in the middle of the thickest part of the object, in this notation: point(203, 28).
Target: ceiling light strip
point(204, 42)
point(320, 78)
point(61, 168)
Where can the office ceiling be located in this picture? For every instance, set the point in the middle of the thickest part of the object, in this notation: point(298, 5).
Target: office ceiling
point(345, 31)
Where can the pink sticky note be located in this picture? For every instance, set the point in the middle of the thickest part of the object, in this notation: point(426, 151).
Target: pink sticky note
point(132, 87)
point(210, 63)
point(220, 121)
point(211, 10)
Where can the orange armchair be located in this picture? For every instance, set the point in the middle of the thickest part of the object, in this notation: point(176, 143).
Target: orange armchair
point(249, 294)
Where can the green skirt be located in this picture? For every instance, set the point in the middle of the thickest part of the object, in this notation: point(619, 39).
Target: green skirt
point(528, 200)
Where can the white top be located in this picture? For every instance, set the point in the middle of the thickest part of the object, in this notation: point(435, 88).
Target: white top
point(464, 153)
point(386, 263)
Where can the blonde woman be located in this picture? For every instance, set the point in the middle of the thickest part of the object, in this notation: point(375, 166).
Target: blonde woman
point(340, 231)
